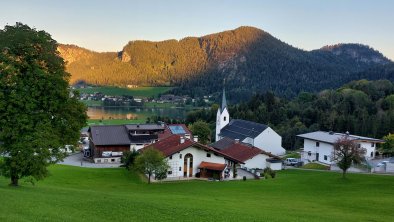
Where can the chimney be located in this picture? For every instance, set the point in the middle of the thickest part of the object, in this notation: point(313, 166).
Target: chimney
point(182, 139)
point(195, 138)
point(187, 136)
point(236, 140)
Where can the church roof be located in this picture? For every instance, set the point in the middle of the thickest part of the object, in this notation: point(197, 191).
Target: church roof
point(240, 129)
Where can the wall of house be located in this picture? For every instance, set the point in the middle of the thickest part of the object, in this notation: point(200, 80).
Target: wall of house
point(324, 149)
point(176, 163)
point(370, 151)
point(268, 141)
point(107, 160)
point(258, 161)
point(98, 150)
point(274, 166)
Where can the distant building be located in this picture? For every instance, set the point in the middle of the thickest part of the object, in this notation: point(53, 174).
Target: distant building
point(255, 134)
point(108, 142)
point(319, 145)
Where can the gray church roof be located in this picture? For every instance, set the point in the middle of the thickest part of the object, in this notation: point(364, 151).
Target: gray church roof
point(332, 137)
point(240, 129)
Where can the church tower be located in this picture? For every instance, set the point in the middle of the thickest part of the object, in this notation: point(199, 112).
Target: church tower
point(222, 116)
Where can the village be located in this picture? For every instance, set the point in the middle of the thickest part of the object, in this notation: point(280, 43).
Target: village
point(242, 149)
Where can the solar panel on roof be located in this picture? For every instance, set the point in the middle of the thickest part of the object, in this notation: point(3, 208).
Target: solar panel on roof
point(177, 130)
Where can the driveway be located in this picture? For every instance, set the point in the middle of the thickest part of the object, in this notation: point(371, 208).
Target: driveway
point(76, 159)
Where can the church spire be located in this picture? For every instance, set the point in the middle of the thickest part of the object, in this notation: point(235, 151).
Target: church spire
point(224, 102)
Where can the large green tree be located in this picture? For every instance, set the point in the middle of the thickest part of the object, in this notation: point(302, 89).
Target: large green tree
point(202, 130)
point(39, 114)
point(152, 162)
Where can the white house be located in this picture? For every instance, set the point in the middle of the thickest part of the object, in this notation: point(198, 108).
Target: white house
point(188, 158)
point(319, 145)
point(252, 157)
point(255, 134)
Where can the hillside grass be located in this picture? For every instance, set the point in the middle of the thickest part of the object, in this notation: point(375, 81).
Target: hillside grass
point(315, 166)
point(139, 92)
point(83, 194)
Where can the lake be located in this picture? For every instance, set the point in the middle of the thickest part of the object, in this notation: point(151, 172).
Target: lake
point(119, 112)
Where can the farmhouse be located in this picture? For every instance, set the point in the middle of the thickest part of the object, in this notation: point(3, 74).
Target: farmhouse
point(188, 158)
point(253, 157)
point(255, 134)
point(318, 146)
point(108, 142)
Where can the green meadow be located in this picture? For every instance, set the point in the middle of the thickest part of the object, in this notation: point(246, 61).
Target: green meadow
point(83, 194)
point(136, 92)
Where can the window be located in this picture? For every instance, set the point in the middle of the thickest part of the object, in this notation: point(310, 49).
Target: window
point(224, 118)
point(98, 161)
point(359, 145)
point(171, 157)
point(180, 168)
point(180, 156)
point(317, 144)
point(112, 160)
point(169, 172)
point(371, 154)
point(105, 160)
point(309, 153)
point(325, 157)
point(372, 144)
point(208, 155)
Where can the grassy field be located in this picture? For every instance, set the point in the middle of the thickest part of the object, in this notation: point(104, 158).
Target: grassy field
point(82, 194)
point(136, 92)
point(315, 166)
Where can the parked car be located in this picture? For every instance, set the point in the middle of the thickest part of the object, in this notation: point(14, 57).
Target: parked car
point(383, 163)
point(292, 162)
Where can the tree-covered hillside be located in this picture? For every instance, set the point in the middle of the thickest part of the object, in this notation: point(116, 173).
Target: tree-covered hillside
point(361, 107)
point(250, 60)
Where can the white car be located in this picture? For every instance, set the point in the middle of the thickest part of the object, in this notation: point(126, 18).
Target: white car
point(383, 163)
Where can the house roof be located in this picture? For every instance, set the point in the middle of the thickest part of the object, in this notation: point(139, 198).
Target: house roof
point(239, 150)
point(144, 127)
point(332, 137)
point(109, 135)
point(172, 144)
point(240, 129)
point(212, 166)
point(179, 129)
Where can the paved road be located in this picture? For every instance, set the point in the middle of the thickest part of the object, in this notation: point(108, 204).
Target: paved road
point(76, 159)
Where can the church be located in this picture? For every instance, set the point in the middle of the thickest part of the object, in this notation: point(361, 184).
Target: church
point(247, 132)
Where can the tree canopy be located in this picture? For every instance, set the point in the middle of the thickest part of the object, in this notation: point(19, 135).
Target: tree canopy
point(38, 113)
point(152, 162)
point(346, 153)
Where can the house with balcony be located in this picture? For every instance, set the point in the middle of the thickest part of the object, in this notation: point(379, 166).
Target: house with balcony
point(319, 145)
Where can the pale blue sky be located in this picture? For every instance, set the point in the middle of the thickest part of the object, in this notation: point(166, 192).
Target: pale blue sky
point(108, 25)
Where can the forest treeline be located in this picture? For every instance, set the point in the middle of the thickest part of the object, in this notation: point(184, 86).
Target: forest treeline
point(250, 60)
point(361, 107)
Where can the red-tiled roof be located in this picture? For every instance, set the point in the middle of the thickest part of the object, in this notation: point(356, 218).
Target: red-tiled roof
point(167, 132)
point(171, 145)
point(244, 152)
point(212, 166)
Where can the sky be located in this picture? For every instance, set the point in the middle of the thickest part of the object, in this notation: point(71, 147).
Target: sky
point(109, 25)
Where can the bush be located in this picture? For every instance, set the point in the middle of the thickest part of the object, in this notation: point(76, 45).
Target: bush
point(268, 172)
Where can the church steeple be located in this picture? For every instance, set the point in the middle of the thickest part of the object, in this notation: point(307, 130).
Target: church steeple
point(224, 102)
point(222, 116)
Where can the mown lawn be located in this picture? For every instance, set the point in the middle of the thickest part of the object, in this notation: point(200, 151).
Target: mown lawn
point(81, 194)
point(136, 92)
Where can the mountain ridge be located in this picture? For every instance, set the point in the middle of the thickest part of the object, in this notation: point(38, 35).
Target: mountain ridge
point(247, 57)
